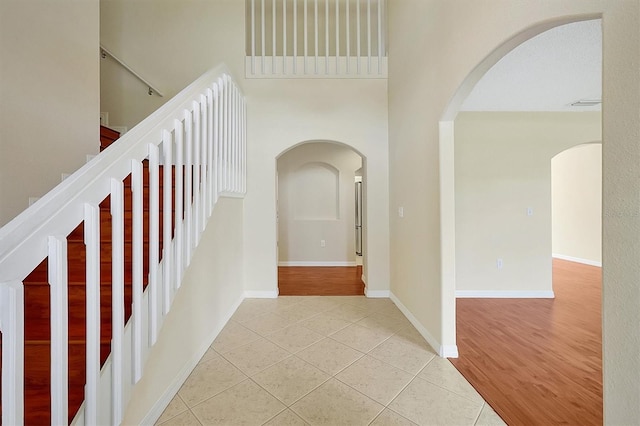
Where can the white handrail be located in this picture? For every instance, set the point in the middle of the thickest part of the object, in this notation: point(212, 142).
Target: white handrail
point(39, 232)
point(152, 89)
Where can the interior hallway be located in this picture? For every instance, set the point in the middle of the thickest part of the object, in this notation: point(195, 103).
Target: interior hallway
point(347, 360)
point(538, 361)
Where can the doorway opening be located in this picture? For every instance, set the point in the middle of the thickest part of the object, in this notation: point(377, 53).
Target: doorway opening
point(505, 309)
point(320, 220)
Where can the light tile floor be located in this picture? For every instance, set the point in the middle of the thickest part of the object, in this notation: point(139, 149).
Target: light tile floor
point(301, 360)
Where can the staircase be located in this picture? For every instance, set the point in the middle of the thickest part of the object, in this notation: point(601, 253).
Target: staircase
point(200, 133)
point(37, 304)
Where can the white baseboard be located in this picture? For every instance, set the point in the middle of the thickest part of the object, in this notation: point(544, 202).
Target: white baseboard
point(444, 351)
point(377, 293)
point(271, 294)
point(577, 259)
point(490, 294)
point(315, 263)
point(161, 404)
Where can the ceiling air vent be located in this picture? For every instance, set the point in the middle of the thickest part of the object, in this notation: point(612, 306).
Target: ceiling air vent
point(586, 102)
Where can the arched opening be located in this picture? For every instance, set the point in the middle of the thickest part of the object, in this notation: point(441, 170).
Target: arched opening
point(319, 219)
point(506, 198)
point(576, 204)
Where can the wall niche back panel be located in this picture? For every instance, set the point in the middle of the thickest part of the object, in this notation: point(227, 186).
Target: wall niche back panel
point(316, 192)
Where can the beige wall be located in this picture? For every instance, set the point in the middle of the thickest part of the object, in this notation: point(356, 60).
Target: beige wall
point(49, 91)
point(170, 43)
point(503, 169)
point(210, 292)
point(316, 193)
point(459, 40)
point(576, 194)
point(284, 113)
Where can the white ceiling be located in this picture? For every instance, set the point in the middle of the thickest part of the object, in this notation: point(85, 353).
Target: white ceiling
point(546, 73)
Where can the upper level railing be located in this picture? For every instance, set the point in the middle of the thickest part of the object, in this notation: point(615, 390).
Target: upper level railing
point(316, 39)
point(200, 132)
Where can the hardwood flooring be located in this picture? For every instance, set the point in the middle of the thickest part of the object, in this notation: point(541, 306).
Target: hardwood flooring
point(538, 361)
point(320, 281)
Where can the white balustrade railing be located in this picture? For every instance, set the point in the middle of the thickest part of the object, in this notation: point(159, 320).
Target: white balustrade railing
point(201, 133)
point(316, 39)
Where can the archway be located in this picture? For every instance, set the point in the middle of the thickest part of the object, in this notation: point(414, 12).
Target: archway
point(447, 171)
point(576, 204)
point(318, 217)
point(512, 180)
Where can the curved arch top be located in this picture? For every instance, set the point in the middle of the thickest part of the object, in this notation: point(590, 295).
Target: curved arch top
point(476, 74)
point(295, 145)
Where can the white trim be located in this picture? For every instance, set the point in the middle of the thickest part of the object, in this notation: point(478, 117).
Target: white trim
point(509, 294)
point(315, 263)
point(577, 259)
point(377, 293)
point(161, 404)
point(448, 351)
point(364, 279)
point(261, 294)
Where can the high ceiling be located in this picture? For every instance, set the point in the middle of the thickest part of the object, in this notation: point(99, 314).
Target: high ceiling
point(546, 73)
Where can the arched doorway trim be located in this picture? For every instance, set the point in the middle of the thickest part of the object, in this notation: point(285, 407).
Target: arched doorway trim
point(447, 171)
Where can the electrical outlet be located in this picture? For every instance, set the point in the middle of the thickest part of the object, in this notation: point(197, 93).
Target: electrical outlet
point(499, 263)
point(322, 243)
point(529, 211)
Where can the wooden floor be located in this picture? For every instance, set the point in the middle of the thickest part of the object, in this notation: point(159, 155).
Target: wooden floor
point(320, 281)
point(538, 361)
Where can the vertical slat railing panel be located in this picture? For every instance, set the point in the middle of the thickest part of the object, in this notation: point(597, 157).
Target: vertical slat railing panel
point(210, 160)
point(197, 150)
point(295, 36)
point(188, 215)
point(236, 103)
point(253, 36)
point(179, 191)
point(229, 128)
point(347, 21)
point(315, 32)
point(232, 160)
point(204, 157)
point(359, 31)
point(263, 38)
point(12, 327)
point(219, 131)
point(117, 300)
point(326, 37)
point(337, 12)
point(379, 36)
point(244, 147)
point(92, 242)
point(358, 35)
point(225, 137)
point(284, 36)
point(154, 238)
point(273, 36)
point(137, 266)
point(167, 205)
point(305, 33)
point(216, 142)
point(58, 280)
point(369, 36)
point(238, 137)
